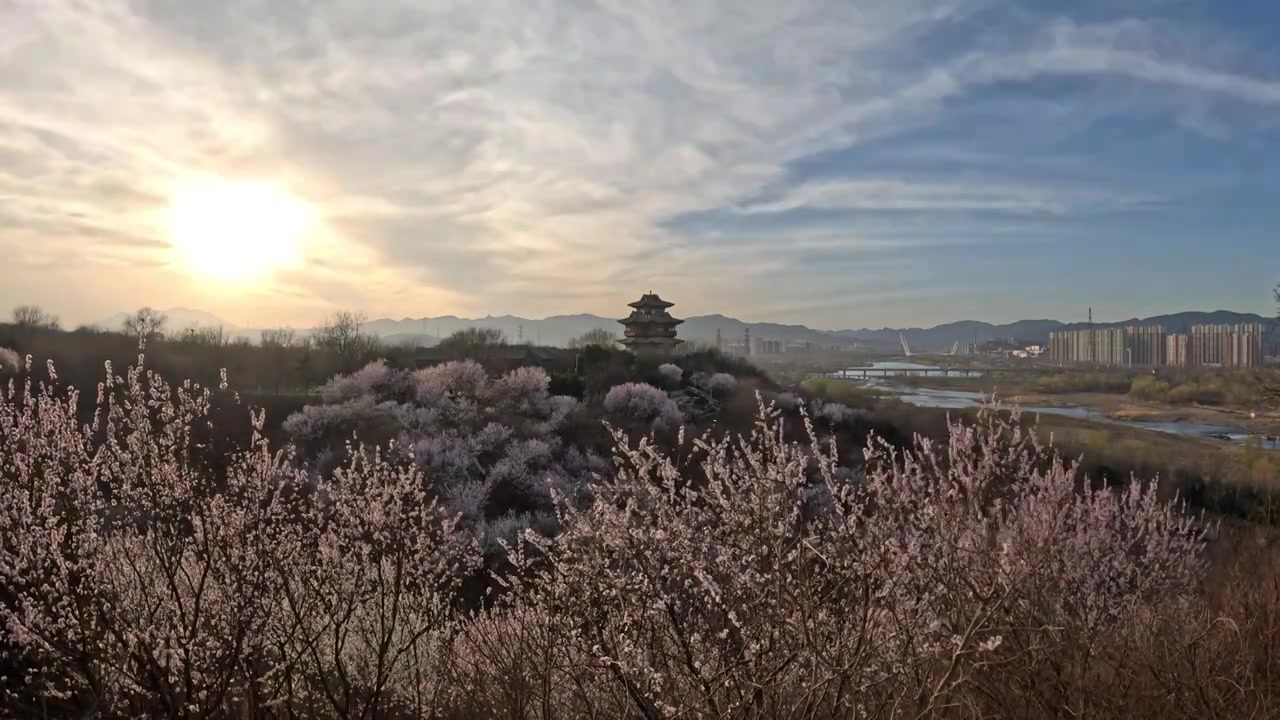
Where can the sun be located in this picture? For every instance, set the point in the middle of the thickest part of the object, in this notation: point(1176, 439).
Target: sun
point(237, 230)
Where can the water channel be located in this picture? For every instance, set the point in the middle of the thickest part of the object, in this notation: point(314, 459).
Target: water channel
point(938, 398)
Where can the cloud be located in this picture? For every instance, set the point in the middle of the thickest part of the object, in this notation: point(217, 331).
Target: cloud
point(903, 195)
point(528, 156)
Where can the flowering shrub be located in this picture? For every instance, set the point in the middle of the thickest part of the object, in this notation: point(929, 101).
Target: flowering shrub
point(834, 412)
point(372, 378)
point(672, 373)
point(721, 383)
point(977, 577)
point(787, 401)
point(9, 360)
point(774, 580)
point(643, 403)
point(139, 582)
point(489, 446)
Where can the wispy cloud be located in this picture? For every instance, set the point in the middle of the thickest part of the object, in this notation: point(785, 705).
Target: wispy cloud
point(929, 196)
point(533, 156)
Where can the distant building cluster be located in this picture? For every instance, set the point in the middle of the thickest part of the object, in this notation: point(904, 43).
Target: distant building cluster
point(769, 346)
point(1228, 346)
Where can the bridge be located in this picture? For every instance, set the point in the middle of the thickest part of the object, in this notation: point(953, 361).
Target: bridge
point(906, 348)
point(942, 371)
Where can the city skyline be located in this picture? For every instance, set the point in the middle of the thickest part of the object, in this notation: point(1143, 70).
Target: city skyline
point(830, 163)
point(1240, 345)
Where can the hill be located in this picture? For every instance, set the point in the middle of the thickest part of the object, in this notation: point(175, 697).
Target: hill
point(942, 337)
point(177, 319)
point(560, 329)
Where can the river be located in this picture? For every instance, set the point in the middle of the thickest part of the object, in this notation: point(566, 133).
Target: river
point(930, 397)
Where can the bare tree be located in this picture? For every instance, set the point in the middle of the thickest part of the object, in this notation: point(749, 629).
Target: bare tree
point(1267, 379)
point(598, 337)
point(278, 338)
point(146, 324)
point(480, 344)
point(32, 316)
point(212, 336)
point(280, 344)
point(342, 334)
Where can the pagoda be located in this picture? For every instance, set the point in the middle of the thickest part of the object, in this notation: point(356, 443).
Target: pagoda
point(650, 329)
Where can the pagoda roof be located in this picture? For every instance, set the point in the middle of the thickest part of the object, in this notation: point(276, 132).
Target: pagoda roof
point(660, 320)
point(650, 300)
point(650, 341)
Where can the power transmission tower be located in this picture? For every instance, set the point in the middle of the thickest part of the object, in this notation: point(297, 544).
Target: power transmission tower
point(1093, 358)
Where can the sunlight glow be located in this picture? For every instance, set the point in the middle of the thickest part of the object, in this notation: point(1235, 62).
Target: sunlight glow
point(237, 230)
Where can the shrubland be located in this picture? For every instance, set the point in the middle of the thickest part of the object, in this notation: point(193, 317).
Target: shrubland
point(632, 566)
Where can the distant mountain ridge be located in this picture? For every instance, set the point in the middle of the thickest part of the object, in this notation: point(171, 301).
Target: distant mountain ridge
point(942, 337)
point(177, 319)
point(560, 329)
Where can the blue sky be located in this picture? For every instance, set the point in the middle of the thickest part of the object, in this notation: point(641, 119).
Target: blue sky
point(838, 163)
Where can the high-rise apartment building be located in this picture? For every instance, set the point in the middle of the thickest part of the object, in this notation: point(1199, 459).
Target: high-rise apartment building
point(1176, 347)
point(768, 347)
point(1111, 346)
point(1069, 346)
point(1230, 346)
point(1119, 346)
point(1146, 346)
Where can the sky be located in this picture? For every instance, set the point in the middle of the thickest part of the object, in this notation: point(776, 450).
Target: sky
point(837, 163)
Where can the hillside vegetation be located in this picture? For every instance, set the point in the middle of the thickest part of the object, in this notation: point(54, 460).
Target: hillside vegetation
point(445, 542)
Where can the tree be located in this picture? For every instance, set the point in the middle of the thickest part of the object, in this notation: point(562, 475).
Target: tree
point(977, 576)
point(278, 338)
point(32, 316)
point(9, 360)
point(493, 446)
point(1266, 380)
point(479, 344)
point(160, 594)
point(342, 334)
point(598, 337)
point(145, 324)
point(644, 403)
point(211, 336)
point(279, 344)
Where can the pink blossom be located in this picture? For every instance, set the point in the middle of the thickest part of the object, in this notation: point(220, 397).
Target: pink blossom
point(721, 383)
point(9, 360)
point(672, 373)
point(365, 381)
point(646, 403)
point(734, 577)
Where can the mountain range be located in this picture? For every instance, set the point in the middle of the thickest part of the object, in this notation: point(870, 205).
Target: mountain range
point(560, 329)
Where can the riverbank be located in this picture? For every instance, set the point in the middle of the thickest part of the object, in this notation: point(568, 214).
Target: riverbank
point(1183, 447)
point(1124, 407)
point(1116, 406)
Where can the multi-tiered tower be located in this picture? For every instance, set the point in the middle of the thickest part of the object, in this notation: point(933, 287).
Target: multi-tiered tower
point(650, 328)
